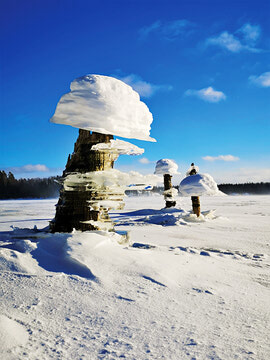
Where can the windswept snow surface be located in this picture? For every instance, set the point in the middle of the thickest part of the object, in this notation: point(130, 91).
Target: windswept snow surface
point(166, 166)
point(180, 288)
point(106, 105)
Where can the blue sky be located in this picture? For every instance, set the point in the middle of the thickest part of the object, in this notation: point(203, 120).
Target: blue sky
point(202, 67)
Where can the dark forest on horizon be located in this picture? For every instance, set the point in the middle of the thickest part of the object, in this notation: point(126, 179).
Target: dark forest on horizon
point(42, 188)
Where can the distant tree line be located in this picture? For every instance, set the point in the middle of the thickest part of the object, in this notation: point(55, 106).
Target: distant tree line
point(37, 188)
point(11, 188)
point(262, 188)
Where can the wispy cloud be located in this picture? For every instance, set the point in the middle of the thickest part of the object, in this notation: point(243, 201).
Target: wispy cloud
point(262, 80)
point(221, 158)
point(251, 33)
point(145, 161)
point(207, 94)
point(225, 40)
point(169, 30)
point(244, 39)
point(28, 168)
point(146, 30)
point(144, 88)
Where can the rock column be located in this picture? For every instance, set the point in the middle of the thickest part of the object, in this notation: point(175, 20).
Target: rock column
point(73, 210)
point(196, 206)
point(168, 191)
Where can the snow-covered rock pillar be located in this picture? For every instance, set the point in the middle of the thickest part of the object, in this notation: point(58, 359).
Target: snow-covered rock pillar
point(195, 185)
point(167, 168)
point(103, 105)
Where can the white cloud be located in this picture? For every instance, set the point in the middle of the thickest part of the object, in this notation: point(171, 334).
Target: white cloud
point(244, 39)
point(144, 88)
point(207, 94)
point(227, 41)
point(144, 160)
point(250, 32)
point(261, 80)
point(169, 30)
point(28, 168)
point(221, 157)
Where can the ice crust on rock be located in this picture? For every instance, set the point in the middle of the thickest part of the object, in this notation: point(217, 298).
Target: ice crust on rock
point(198, 185)
point(170, 194)
point(166, 166)
point(105, 105)
point(110, 185)
point(120, 147)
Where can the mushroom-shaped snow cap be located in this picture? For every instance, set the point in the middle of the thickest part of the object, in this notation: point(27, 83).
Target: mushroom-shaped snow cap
point(106, 105)
point(166, 166)
point(198, 185)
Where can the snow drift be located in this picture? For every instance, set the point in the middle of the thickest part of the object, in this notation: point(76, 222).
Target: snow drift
point(174, 292)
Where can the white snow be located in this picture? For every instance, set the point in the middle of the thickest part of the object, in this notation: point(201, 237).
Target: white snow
point(198, 185)
point(181, 288)
point(106, 105)
point(12, 334)
point(166, 166)
point(119, 147)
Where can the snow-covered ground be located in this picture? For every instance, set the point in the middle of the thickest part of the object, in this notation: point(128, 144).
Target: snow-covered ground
point(180, 289)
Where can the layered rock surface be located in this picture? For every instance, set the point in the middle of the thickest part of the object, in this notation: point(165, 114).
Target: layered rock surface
point(74, 210)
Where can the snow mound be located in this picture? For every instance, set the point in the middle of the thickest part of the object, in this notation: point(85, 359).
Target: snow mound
point(165, 217)
point(198, 185)
point(166, 166)
point(11, 334)
point(120, 147)
point(67, 253)
point(106, 105)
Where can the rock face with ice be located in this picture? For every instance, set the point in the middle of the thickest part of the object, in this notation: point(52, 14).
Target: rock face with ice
point(105, 105)
point(73, 210)
point(90, 185)
point(166, 166)
point(198, 185)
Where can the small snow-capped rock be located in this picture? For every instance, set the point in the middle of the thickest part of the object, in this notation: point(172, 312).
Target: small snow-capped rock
point(166, 166)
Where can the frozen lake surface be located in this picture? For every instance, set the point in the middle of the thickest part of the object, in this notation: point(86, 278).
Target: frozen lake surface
point(179, 289)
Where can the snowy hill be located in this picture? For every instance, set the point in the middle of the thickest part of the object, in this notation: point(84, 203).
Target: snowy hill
point(180, 288)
